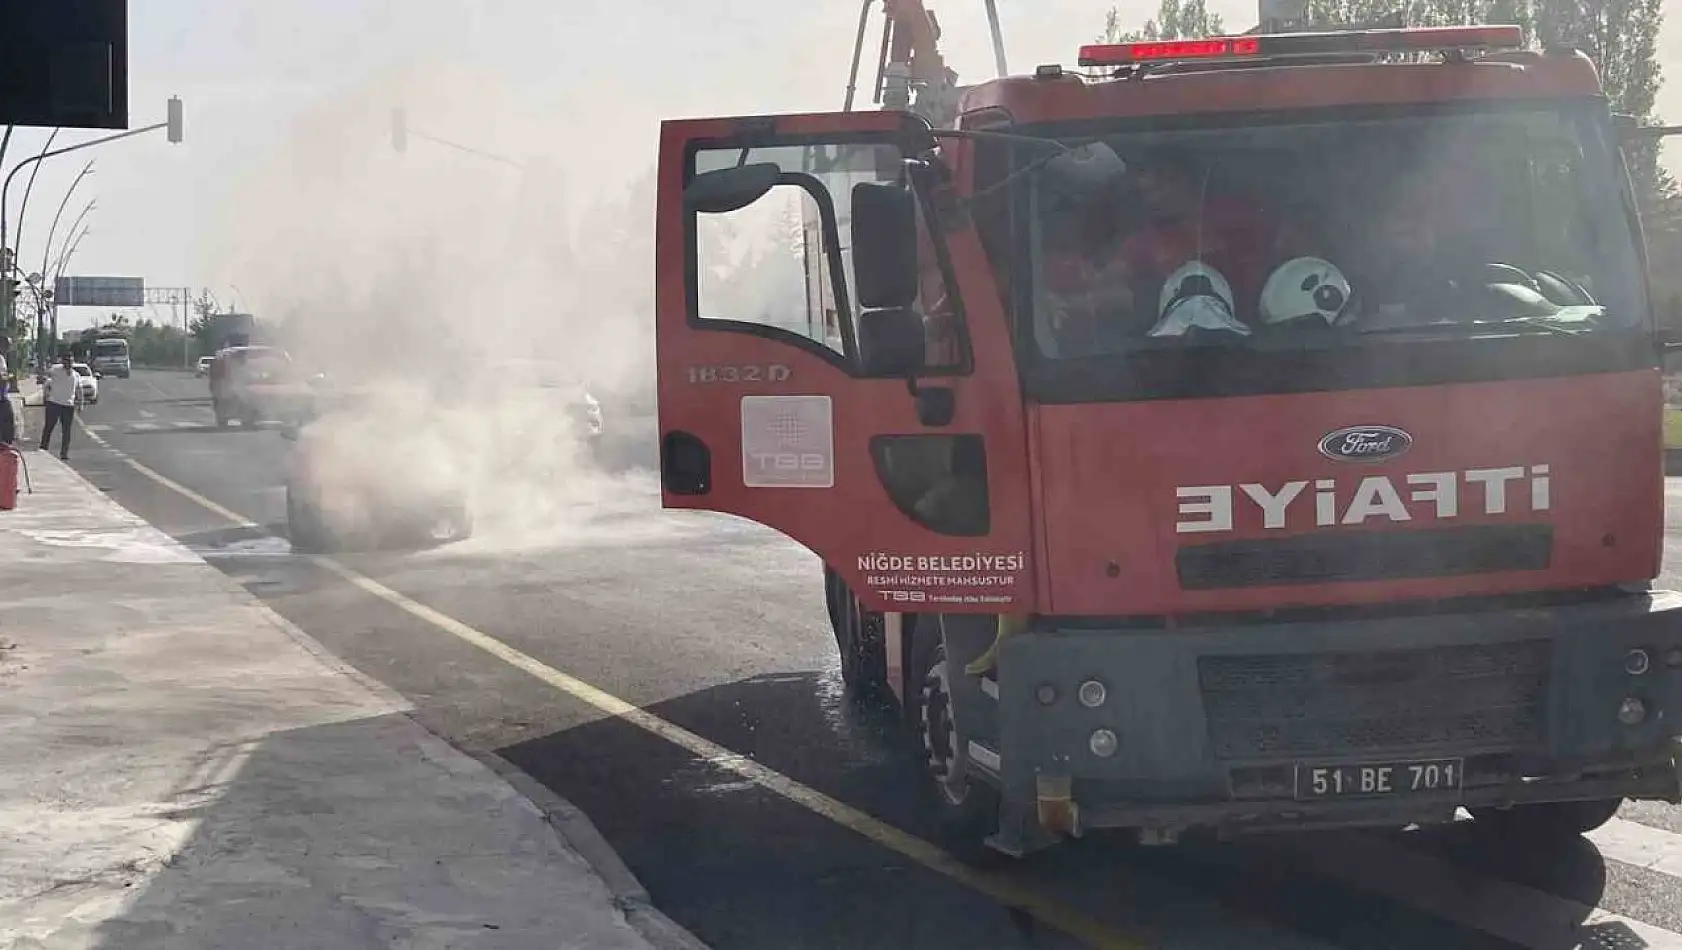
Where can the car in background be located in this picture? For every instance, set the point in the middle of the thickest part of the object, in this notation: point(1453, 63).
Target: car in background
point(203, 367)
point(87, 381)
point(357, 483)
point(255, 384)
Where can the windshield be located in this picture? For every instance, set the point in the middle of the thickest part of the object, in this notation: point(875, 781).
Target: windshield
point(1331, 231)
point(113, 348)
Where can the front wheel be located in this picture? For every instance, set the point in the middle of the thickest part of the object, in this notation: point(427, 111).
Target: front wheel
point(1548, 820)
point(861, 638)
point(304, 526)
point(453, 523)
point(963, 809)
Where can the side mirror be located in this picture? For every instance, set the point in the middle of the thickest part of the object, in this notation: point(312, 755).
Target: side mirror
point(1630, 129)
point(884, 247)
point(891, 342)
point(730, 189)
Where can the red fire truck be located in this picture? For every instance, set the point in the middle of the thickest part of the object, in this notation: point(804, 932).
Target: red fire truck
point(1249, 433)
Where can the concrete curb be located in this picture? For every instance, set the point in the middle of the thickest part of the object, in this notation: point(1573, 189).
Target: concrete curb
point(570, 824)
point(576, 829)
point(573, 826)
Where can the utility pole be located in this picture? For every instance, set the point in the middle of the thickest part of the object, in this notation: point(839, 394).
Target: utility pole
point(186, 328)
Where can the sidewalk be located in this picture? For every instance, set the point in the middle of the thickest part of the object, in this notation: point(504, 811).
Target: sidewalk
point(182, 769)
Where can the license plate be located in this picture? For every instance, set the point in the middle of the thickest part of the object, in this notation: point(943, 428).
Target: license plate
point(1377, 779)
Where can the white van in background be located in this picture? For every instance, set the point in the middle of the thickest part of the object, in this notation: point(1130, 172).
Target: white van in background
point(111, 357)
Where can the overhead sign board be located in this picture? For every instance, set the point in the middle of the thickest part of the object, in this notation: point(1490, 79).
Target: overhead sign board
point(64, 63)
point(99, 292)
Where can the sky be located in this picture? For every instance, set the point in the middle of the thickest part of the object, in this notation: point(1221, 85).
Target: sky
point(576, 87)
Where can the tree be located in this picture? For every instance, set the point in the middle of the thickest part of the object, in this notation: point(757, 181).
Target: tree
point(1622, 38)
point(201, 330)
point(1175, 19)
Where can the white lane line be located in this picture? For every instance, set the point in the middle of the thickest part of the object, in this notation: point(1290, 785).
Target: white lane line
point(1511, 912)
point(1639, 845)
point(227, 514)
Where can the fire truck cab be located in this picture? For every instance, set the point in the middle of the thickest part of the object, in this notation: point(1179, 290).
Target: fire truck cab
point(1243, 434)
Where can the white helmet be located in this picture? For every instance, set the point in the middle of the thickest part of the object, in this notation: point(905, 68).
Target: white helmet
point(1303, 288)
point(1196, 296)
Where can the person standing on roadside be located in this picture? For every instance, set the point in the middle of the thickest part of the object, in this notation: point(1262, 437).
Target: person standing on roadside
point(8, 421)
point(62, 396)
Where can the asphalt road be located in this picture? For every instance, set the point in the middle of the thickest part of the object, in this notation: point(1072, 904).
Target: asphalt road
point(717, 626)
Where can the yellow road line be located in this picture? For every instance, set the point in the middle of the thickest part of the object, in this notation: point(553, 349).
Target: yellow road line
point(996, 886)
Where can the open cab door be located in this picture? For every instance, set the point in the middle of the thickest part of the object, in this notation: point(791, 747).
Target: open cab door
point(820, 372)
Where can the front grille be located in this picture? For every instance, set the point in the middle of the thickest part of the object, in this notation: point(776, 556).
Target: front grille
point(1365, 556)
point(1491, 696)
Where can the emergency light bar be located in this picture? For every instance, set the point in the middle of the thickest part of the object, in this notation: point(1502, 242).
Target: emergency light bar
point(1267, 46)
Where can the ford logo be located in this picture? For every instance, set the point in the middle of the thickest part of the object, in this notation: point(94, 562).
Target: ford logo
point(1365, 443)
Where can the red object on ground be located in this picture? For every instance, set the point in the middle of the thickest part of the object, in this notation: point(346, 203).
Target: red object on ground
point(10, 459)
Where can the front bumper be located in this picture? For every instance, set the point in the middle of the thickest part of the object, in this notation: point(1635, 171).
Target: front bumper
point(1215, 725)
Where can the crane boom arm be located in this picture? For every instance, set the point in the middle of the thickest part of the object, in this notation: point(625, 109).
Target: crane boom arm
point(911, 72)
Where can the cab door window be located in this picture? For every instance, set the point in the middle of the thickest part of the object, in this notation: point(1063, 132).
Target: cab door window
point(783, 264)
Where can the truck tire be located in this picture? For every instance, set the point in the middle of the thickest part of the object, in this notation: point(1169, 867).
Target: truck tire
point(962, 810)
point(453, 524)
point(1548, 821)
point(833, 587)
point(861, 640)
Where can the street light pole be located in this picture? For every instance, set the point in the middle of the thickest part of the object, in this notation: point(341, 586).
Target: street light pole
point(7, 316)
point(47, 249)
point(71, 246)
point(400, 132)
point(173, 123)
point(69, 236)
point(28, 189)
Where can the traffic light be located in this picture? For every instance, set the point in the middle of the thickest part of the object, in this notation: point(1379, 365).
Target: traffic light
point(174, 119)
point(399, 130)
